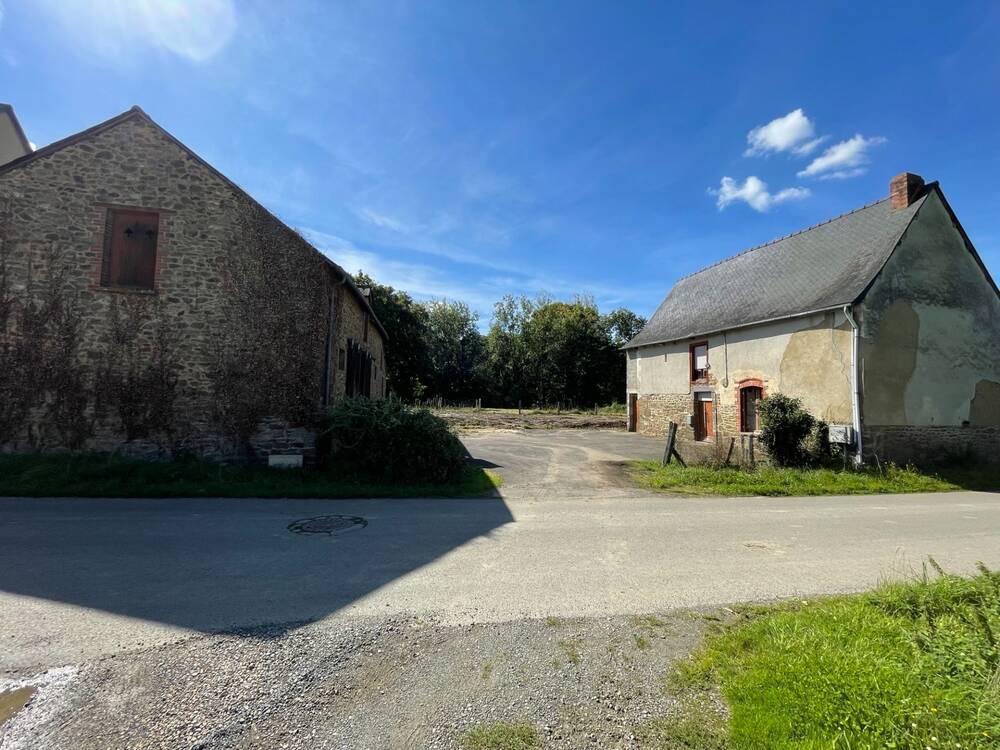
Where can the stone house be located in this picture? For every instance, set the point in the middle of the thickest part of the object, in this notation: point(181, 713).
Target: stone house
point(883, 321)
point(148, 305)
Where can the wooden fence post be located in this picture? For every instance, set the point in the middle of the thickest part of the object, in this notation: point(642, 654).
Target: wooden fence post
point(671, 450)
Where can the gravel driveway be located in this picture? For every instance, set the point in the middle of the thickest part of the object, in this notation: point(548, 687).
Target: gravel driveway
point(207, 623)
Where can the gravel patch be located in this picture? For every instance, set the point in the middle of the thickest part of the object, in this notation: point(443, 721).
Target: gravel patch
point(388, 683)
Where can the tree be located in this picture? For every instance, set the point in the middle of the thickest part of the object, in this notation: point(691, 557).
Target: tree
point(508, 360)
point(570, 350)
point(537, 350)
point(407, 355)
point(456, 349)
point(622, 326)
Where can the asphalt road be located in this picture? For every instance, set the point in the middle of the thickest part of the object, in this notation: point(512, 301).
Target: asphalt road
point(85, 578)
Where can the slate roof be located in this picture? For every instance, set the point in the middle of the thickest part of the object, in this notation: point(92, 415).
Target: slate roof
point(136, 111)
point(823, 267)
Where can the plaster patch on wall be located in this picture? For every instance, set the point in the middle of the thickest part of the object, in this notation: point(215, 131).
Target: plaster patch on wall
point(984, 409)
point(894, 356)
point(929, 326)
point(813, 361)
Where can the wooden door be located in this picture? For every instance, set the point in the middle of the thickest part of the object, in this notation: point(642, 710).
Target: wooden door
point(704, 416)
point(633, 412)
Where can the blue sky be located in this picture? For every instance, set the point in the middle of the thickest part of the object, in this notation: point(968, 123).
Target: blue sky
point(472, 149)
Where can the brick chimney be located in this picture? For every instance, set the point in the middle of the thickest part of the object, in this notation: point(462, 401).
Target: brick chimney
point(904, 189)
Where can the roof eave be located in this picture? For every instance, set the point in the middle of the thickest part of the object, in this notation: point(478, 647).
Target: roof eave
point(713, 332)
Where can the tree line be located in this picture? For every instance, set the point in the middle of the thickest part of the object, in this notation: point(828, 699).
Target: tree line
point(537, 351)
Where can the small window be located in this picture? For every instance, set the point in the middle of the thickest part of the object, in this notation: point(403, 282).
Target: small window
point(341, 359)
point(749, 398)
point(130, 249)
point(699, 361)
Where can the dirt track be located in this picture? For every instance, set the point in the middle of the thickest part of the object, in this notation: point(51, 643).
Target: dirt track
point(527, 419)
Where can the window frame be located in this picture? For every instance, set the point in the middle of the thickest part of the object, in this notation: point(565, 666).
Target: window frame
point(108, 264)
point(740, 388)
point(692, 372)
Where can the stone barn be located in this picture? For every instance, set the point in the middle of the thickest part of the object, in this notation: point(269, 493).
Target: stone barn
point(149, 306)
point(884, 322)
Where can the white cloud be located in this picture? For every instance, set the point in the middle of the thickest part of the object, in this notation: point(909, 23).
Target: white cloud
point(422, 281)
point(124, 29)
point(380, 220)
point(754, 193)
point(426, 282)
point(794, 132)
point(842, 160)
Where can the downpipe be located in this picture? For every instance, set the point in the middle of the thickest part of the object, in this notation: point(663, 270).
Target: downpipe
point(855, 382)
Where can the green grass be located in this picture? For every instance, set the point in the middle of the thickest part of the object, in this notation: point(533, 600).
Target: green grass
point(912, 665)
point(103, 476)
point(501, 735)
point(571, 649)
point(697, 726)
point(769, 480)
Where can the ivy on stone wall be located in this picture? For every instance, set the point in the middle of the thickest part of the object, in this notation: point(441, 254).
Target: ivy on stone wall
point(55, 391)
point(44, 387)
point(138, 373)
point(275, 314)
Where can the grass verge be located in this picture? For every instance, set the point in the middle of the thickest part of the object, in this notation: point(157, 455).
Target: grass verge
point(770, 480)
point(501, 735)
point(104, 476)
point(912, 665)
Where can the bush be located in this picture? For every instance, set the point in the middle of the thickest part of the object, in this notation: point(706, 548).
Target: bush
point(785, 425)
point(817, 444)
point(389, 440)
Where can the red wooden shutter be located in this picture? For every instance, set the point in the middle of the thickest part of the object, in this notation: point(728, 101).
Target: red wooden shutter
point(133, 249)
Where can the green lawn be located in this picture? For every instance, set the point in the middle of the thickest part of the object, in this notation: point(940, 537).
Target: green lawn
point(102, 476)
point(912, 665)
point(768, 480)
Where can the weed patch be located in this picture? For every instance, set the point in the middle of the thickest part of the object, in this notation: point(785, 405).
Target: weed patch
point(571, 649)
point(777, 481)
point(501, 735)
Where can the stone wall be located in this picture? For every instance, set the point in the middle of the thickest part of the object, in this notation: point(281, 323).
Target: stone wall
point(353, 322)
point(926, 446)
point(656, 411)
point(171, 339)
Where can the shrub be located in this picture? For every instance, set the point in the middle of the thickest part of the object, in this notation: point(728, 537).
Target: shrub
point(388, 439)
point(784, 427)
point(817, 443)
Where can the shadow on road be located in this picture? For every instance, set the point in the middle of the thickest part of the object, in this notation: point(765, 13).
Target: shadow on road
point(210, 565)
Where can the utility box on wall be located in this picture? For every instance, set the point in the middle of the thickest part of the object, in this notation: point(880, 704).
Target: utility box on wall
point(842, 434)
point(285, 461)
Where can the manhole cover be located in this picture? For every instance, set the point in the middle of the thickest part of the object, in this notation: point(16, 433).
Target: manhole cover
point(327, 525)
